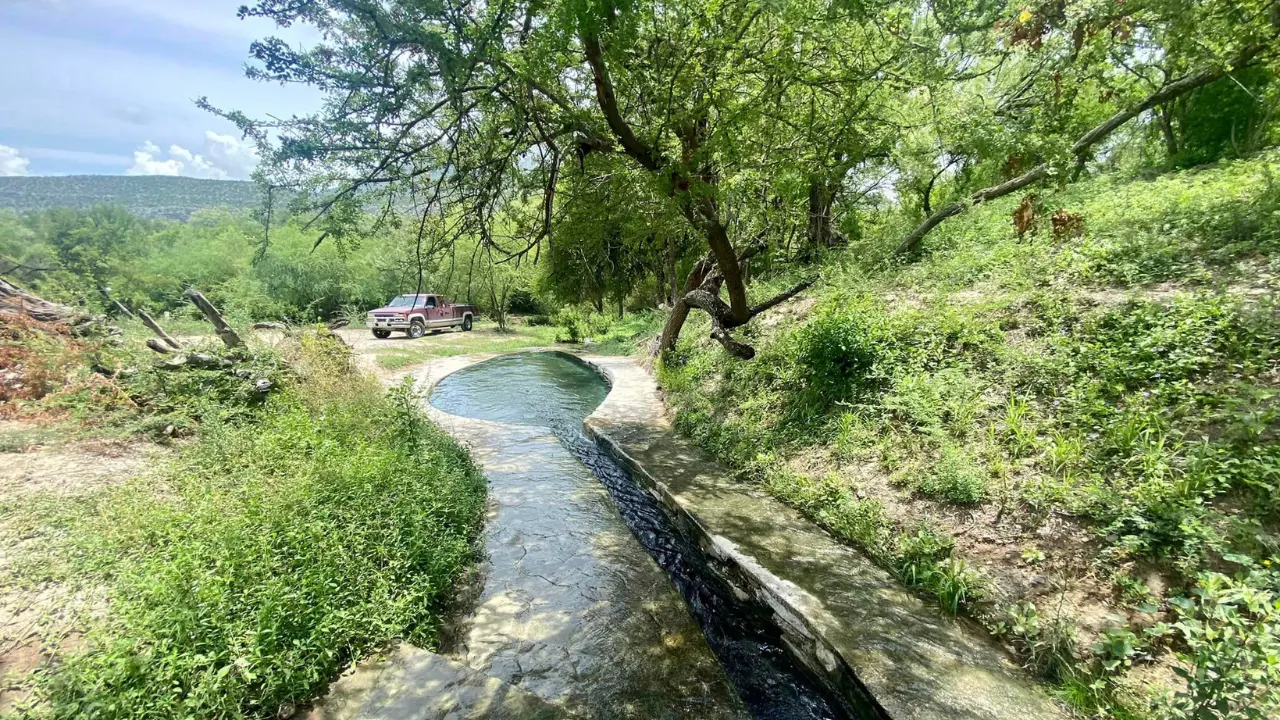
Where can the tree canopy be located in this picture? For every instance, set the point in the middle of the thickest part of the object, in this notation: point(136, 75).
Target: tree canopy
point(673, 145)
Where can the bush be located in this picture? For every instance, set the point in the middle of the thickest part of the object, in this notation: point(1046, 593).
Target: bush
point(955, 477)
point(1047, 647)
point(839, 353)
point(580, 325)
point(1231, 632)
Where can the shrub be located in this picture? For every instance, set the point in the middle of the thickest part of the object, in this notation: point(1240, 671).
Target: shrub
point(1047, 647)
point(839, 353)
point(580, 325)
point(955, 477)
point(1231, 631)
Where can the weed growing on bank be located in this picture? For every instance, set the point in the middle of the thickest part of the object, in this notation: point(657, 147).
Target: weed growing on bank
point(271, 553)
point(1046, 377)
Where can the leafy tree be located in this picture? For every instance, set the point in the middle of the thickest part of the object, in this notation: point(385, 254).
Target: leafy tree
point(745, 118)
point(1140, 57)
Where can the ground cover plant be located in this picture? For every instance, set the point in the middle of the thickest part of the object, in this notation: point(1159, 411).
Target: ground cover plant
point(291, 536)
point(1072, 439)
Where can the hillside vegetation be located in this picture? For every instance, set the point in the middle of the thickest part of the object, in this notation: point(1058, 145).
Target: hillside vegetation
point(1070, 436)
point(175, 198)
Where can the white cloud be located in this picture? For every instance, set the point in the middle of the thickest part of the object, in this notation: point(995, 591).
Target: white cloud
point(11, 162)
point(238, 158)
point(224, 157)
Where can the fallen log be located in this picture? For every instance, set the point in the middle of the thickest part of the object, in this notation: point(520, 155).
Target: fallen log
point(112, 302)
point(229, 337)
point(156, 345)
point(14, 300)
point(159, 331)
point(194, 360)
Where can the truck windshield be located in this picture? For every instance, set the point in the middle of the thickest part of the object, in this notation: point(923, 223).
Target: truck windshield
point(406, 301)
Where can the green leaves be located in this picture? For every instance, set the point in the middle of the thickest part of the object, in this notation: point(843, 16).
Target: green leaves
point(281, 551)
point(1231, 631)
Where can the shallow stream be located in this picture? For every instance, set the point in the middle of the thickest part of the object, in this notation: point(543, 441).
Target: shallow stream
point(555, 392)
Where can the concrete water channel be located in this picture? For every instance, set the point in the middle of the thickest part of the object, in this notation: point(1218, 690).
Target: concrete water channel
point(603, 597)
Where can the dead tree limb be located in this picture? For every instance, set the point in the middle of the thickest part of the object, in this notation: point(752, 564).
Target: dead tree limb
point(707, 299)
point(159, 331)
point(158, 346)
point(228, 336)
point(112, 302)
point(1082, 147)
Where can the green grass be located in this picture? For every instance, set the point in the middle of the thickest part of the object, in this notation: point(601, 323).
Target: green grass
point(484, 338)
point(1125, 378)
point(271, 553)
point(611, 336)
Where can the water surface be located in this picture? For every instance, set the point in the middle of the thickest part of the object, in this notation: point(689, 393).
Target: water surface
point(555, 392)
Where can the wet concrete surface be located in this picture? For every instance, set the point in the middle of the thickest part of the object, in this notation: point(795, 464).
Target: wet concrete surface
point(572, 609)
point(413, 684)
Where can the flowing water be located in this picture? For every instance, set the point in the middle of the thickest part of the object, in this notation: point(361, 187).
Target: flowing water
point(552, 391)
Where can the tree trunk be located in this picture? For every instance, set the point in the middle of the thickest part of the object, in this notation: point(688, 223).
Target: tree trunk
point(1165, 114)
point(672, 277)
point(818, 232)
point(680, 308)
point(699, 208)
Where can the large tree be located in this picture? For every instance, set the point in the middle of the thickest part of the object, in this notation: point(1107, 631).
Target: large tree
point(739, 114)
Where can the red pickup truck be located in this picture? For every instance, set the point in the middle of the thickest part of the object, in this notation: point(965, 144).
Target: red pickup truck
point(416, 314)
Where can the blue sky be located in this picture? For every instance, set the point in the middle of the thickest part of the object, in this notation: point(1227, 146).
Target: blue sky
point(108, 87)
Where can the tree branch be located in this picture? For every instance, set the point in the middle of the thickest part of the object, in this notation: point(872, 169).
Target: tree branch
point(608, 101)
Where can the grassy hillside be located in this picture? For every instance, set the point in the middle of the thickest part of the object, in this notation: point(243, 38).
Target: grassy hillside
point(166, 197)
point(1071, 437)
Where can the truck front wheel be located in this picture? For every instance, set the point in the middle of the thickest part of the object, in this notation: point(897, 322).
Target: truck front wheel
point(417, 329)
point(382, 334)
point(466, 324)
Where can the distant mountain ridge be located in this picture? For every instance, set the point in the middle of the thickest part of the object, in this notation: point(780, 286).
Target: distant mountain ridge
point(175, 198)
